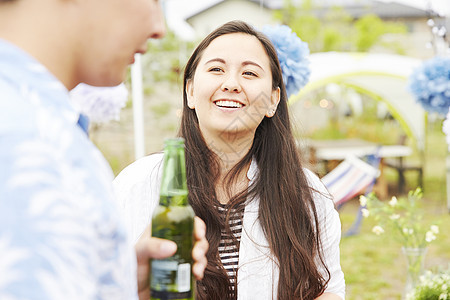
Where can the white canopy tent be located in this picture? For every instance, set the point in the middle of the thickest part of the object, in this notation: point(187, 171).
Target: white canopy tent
point(384, 77)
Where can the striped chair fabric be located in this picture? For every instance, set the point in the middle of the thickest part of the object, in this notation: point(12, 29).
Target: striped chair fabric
point(351, 177)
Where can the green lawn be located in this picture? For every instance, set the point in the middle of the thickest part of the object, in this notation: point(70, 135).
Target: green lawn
point(374, 266)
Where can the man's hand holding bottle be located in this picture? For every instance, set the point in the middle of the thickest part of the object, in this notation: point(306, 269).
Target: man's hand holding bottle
point(150, 247)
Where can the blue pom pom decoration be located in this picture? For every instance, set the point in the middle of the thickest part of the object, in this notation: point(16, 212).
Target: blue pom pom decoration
point(293, 56)
point(430, 84)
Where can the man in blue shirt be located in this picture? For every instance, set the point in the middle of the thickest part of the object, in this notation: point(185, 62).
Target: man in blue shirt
point(61, 236)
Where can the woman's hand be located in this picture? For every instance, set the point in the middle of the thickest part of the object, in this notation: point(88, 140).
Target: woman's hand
point(148, 247)
point(200, 248)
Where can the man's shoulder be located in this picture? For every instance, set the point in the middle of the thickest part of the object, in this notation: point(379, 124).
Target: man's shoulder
point(13, 107)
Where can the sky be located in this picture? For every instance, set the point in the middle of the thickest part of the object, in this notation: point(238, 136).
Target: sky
point(177, 11)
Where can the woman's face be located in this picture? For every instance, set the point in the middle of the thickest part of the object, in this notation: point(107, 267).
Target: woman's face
point(231, 91)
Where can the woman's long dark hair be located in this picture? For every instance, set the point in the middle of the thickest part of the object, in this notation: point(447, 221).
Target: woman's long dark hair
point(286, 211)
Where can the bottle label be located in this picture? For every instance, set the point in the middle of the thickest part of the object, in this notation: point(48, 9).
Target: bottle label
point(184, 277)
point(170, 280)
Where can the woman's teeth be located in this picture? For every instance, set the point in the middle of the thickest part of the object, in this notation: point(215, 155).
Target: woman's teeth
point(228, 103)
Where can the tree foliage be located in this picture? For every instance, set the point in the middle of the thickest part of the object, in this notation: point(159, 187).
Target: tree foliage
point(370, 28)
point(335, 29)
point(165, 60)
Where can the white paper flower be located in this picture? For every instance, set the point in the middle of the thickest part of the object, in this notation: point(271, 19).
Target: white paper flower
point(99, 104)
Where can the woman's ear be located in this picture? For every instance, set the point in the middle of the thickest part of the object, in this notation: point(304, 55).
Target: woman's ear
point(274, 100)
point(190, 93)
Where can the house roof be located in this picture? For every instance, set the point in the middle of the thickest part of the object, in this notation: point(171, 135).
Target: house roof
point(439, 7)
point(212, 5)
point(382, 8)
point(179, 11)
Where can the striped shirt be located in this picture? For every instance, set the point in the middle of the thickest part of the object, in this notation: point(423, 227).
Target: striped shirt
point(229, 252)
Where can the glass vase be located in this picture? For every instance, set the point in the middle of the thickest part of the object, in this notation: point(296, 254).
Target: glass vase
point(415, 258)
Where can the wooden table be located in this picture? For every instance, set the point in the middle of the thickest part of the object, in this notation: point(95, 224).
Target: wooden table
point(338, 149)
point(330, 152)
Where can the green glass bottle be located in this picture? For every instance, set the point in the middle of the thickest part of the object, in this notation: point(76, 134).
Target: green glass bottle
point(173, 219)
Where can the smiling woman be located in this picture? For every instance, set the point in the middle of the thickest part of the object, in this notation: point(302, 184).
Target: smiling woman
point(232, 90)
point(273, 230)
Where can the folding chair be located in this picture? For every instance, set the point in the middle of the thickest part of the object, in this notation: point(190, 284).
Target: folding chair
point(352, 177)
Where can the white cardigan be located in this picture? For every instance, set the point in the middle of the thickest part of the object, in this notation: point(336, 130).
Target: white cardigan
point(137, 190)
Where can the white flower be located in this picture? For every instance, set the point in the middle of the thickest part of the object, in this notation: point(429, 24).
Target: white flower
point(407, 230)
point(365, 212)
point(424, 277)
point(100, 104)
point(394, 217)
point(429, 236)
point(432, 283)
point(377, 230)
point(446, 128)
point(393, 201)
point(363, 200)
point(434, 229)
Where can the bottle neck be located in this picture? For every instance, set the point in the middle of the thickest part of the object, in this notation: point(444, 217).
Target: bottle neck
point(173, 184)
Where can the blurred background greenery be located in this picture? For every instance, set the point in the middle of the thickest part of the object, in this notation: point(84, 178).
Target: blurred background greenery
point(373, 265)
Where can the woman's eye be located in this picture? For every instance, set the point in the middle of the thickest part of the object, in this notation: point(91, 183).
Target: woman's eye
point(249, 73)
point(216, 69)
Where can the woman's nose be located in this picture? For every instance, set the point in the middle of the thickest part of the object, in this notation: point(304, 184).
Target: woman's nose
point(231, 84)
